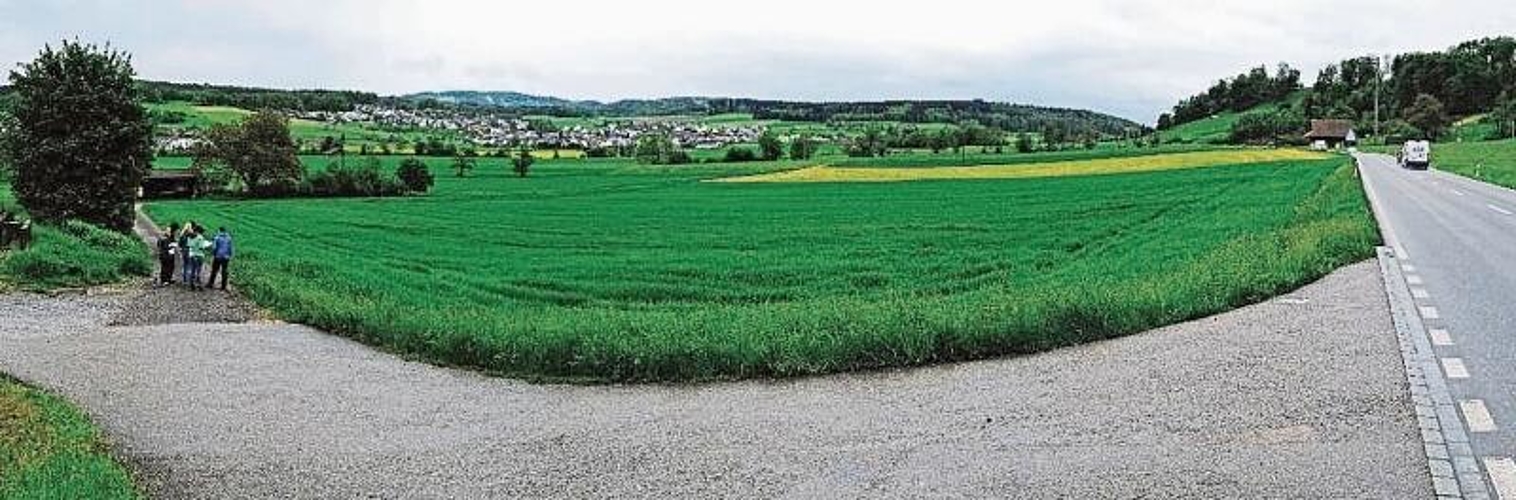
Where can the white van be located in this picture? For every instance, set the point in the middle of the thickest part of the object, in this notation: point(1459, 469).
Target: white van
point(1416, 155)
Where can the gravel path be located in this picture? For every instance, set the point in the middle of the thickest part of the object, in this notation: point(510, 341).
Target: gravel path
point(1300, 397)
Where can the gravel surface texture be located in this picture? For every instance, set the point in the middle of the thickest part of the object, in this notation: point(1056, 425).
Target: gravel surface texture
point(1300, 397)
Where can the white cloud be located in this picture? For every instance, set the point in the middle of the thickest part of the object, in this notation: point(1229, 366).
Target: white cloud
point(1133, 57)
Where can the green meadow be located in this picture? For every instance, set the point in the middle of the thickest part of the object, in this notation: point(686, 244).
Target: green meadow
point(606, 270)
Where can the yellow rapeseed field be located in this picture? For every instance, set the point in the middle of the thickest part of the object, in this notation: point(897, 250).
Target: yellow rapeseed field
point(1053, 169)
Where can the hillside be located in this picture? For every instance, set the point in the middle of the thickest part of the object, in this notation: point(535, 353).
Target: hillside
point(1440, 95)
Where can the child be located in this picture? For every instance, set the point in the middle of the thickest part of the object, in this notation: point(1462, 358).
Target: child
point(168, 249)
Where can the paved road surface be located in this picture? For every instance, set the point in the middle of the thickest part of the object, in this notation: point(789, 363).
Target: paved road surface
point(1457, 240)
point(1303, 397)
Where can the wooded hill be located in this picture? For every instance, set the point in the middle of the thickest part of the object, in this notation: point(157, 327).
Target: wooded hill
point(1420, 94)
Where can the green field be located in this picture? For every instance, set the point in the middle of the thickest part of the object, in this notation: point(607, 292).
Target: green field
point(1489, 161)
point(1218, 129)
point(49, 450)
point(607, 270)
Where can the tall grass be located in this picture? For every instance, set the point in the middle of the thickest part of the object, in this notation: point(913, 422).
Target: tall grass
point(613, 272)
point(74, 254)
point(49, 450)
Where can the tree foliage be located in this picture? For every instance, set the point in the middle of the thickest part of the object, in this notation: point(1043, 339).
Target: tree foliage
point(803, 147)
point(660, 149)
point(1239, 93)
point(414, 174)
point(258, 151)
point(769, 147)
point(80, 140)
point(522, 163)
point(1284, 126)
point(1428, 115)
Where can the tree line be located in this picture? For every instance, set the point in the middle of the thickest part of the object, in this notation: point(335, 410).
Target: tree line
point(255, 98)
point(1418, 94)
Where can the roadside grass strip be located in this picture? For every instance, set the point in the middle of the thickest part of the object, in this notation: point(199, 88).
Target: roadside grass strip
point(1151, 163)
point(48, 449)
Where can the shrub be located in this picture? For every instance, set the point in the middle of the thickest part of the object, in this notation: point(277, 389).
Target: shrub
point(365, 179)
point(414, 174)
point(739, 155)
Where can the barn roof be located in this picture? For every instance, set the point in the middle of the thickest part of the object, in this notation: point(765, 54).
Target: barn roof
point(1329, 129)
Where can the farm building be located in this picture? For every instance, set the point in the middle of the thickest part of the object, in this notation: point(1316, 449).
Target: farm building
point(170, 184)
point(1331, 134)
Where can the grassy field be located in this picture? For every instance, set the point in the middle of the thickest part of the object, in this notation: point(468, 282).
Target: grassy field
point(50, 450)
point(1489, 161)
point(613, 271)
point(1103, 166)
point(1218, 129)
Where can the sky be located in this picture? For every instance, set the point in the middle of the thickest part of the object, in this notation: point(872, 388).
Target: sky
point(1131, 58)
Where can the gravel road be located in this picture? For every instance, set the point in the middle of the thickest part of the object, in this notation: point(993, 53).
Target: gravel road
point(1299, 397)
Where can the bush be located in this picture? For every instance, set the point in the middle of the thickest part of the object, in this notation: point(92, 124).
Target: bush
point(1279, 127)
point(740, 155)
point(76, 254)
point(365, 179)
point(414, 174)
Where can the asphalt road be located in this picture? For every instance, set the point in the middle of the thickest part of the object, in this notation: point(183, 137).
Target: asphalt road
point(1299, 397)
point(1456, 239)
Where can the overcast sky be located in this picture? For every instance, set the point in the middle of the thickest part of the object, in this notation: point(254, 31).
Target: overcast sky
point(1132, 58)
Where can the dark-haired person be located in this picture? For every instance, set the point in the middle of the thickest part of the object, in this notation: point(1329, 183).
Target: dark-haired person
point(196, 250)
point(168, 250)
point(221, 255)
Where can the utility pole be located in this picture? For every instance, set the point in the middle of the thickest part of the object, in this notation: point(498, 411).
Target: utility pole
point(1378, 81)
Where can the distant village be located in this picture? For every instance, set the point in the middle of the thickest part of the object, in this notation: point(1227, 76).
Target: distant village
point(500, 130)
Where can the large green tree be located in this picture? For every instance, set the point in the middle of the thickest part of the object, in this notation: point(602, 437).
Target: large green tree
point(80, 140)
point(259, 152)
point(1427, 114)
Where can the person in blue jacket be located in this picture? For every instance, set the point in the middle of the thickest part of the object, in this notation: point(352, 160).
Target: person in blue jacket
point(221, 255)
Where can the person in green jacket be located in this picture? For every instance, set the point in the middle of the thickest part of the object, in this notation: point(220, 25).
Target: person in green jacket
point(198, 245)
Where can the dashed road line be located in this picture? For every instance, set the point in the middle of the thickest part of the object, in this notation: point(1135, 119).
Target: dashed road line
point(1408, 268)
point(1502, 471)
point(1420, 293)
point(1440, 337)
point(1457, 192)
point(1454, 368)
point(1477, 415)
point(1502, 211)
point(1414, 280)
point(1429, 312)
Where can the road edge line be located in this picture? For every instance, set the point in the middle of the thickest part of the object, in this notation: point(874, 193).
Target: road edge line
point(1444, 437)
point(1386, 232)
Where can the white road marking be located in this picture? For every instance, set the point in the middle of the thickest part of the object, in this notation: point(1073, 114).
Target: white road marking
point(1502, 211)
point(1399, 250)
point(1477, 415)
point(1408, 268)
point(1421, 293)
point(1457, 192)
point(1502, 473)
point(1429, 312)
point(1441, 337)
point(1413, 279)
point(1454, 368)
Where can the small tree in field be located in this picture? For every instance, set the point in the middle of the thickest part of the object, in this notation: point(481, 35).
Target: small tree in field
point(414, 174)
point(259, 152)
point(79, 140)
point(462, 165)
point(769, 147)
point(523, 161)
point(802, 148)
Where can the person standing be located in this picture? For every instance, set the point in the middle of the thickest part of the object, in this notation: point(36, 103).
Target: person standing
point(184, 256)
point(168, 250)
point(221, 255)
point(197, 247)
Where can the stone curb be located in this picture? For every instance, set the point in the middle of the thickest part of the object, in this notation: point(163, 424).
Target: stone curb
point(1451, 464)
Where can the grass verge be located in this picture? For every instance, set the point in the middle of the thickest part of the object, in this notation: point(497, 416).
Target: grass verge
point(49, 450)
